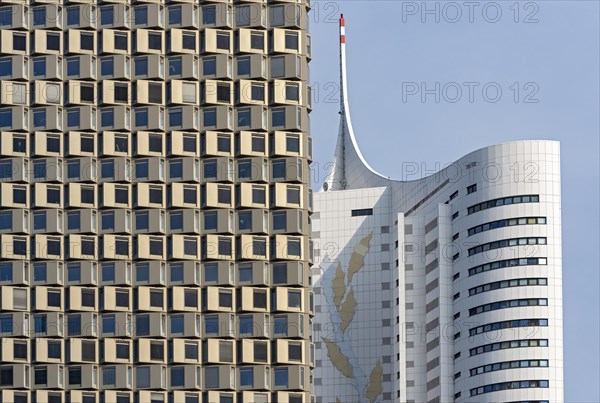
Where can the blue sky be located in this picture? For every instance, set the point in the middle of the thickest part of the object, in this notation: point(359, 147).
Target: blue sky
point(504, 73)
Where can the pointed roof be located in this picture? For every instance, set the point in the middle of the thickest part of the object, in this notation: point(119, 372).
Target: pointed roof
point(349, 169)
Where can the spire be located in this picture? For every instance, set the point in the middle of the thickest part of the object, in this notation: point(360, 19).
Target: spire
point(348, 160)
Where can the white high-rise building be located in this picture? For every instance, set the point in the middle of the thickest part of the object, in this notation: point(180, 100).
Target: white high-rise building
point(446, 288)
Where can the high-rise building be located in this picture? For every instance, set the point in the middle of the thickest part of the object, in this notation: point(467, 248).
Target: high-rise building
point(443, 288)
point(155, 201)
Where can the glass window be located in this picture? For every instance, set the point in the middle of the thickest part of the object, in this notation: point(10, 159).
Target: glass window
point(224, 195)
point(53, 41)
point(141, 15)
point(142, 325)
point(87, 41)
point(277, 15)
point(175, 117)
point(280, 273)
point(211, 273)
point(245, 273)
point(209, 15)
point(176, 220)
point(19, 41)
point(189, 143)
point(155, 41)
point(211, 325)
point(5, 66)
point(143, 377)
point(225, 299)
point(141, 117)
point(294, 298)
point(293, 195)
point(174, 15)
point(74, 272)
point(246, 377)
point(108, 324)
point(39, 220)
point(39, 67)
point(108, 272)
point(176, 67)
point(108, 376)
point(281, 377)
point(107, 66)
point(39, 118)
point(142, 272)
point(107, 116)
point(142, 220)
point(245, 220)
point(189, 41)
point(278, 66)
point(141, 66)
point(121, 41)
point(6, 118)
point(223, 40)
point(225, 246)
point(291, 40)
point(73, 117)
point(176, 273)
point(73, 66)
point(177, 376)
point(73, 15)
point(224, 143)
point(74, 325)
point(211, 377)
point(107, 219)
point(39, 272)
point(107, 16)
point(209, 66)
point(141, 169)
point(210, 117)
point(6, 272)
point(258, 144)
point(156, 298)
point(190, 246)
point(191, 351)
point(177, 324)
point(257, 40)
point(259, 195)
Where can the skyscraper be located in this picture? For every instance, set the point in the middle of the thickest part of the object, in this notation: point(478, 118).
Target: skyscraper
point(155, 207)
point(443, 288)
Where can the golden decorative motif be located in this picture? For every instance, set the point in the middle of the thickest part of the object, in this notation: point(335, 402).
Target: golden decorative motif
point(374, 388)
point(339, 360)
point(347, 310)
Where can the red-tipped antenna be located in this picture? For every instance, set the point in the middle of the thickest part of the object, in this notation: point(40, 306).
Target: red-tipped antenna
point(342, 29)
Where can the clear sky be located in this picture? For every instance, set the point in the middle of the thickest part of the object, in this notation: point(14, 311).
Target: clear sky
point(550, 49)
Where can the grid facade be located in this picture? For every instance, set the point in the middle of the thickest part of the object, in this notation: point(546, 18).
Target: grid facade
point(154, 201)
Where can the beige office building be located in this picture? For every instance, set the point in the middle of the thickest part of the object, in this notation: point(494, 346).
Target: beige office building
point(154, 201)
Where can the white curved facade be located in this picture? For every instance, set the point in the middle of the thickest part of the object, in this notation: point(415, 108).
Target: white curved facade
point(447, 288)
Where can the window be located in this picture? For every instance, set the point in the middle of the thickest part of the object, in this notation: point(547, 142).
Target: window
point(87, 143)
point(107, 66)
point(39, 118)
point(514, 303)
point(260, 299)
point(5, 64)
point(211, 273)
point(141, 169)
point(107, 220)
point(6, 118)
point(292, 92)
point(176, 273)
point(189, 41)
point(225, 351)
point(88, 298)
point(211, 377)
point(73, 272)
point(19, 195)
point(211, 325)
point(174, 15)
point(53, 41)
point(277, 16)
point(141, 66)
point(19, 298)
point(245, 274)
point(278, 117)
point(40, 325)
point(108, 272)
point(122, 350)
point(177, 324)
point(281, 377)
point(257, 92)
point(73, 66)
point(39, 16)
point(73, 15)
point(157, 350)
point(259, 195)
point(191, 351)
point(224, 246)
point(74, 325)
point(175, 117)
point(107, 116)
point(246, 325)
point(73, 117)
point(246, 377)
point(243, 66)
point(87, 41)
point(142, 325)
point(121, 143)
point(259, 247)
point(88, 246)
point(176, 220)
point(190, 194)
point(190, 246)
point(245, 220)
point(108, 324)
point(177, 377)
point(472, 188)
point(257, 40)
point(122, 298)
point(258, 144)
point(504, 243)
point(209, 15)
point(293, 195)
point(503, 202)
point(40, 376)
point(280, 273)
point(141, 15)
point(291, 40)
point(75, 376)
point(210, 117)
point(39, 67)
point(155, 41)
point(155, 194)
point(122, 194)
point(88, 351)
point(87, 194)
point(142, 272)
point(156, 298)
point(121, 41)
point(19, 144)
point(294, 299)
point(176, 67)
point(295, 351)
point(260, 351)
point(53, 246)
point(224, 195)
point(19, 41)
point(223, 40)
point(109, 375)
point(73, 169)
point(141, 220)
point(39, 220)
point(224, 92)
point(143, 377)
point(106, 15)
point(190, 298)
point(225, 299)
point(86, 92)
point(122, 246)
point(189, 141)
point(6, 272)
point(53, 298)
point(20, 350)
